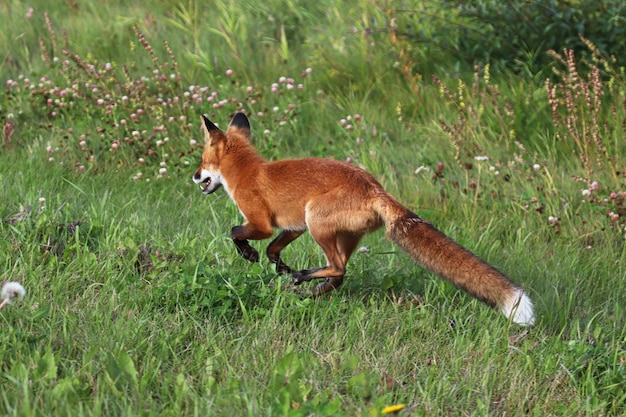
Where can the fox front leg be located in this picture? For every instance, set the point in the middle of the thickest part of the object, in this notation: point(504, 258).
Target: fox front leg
point(241, 234)
point(243, 247)
point(273, 250)
point(247, 251)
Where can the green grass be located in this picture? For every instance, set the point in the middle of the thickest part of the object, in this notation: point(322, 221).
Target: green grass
point(137, 302)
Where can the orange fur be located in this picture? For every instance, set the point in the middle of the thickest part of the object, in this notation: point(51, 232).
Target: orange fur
point(338, 203)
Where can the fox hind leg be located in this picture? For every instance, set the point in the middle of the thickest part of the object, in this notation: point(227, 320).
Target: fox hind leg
point(338, 249)
point(346, 244)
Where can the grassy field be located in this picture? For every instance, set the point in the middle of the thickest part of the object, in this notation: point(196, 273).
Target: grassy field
point(137, 302)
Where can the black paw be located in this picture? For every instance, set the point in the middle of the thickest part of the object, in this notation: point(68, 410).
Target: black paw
point(298, 277)
point(250, 254)
point(247, 251)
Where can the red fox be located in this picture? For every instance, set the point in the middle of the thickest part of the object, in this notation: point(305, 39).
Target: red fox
point(338, 203)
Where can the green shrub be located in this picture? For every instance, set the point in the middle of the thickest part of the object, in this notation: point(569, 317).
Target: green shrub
point(514, 32)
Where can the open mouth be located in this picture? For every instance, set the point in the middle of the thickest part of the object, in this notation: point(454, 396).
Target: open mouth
point(205, 187)
point(209, 185)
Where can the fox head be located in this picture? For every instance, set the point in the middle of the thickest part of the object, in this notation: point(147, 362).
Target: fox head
point(208, 175)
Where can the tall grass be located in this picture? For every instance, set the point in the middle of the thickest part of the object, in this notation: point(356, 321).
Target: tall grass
point(137, 303)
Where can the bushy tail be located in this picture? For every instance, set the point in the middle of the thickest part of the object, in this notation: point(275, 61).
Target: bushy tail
point(437, 252)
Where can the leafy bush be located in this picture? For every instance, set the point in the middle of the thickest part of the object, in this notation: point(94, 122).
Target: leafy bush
point(512, 34)
point(521, 31)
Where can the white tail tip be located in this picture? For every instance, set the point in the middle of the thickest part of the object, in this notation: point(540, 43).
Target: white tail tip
point(519, 308)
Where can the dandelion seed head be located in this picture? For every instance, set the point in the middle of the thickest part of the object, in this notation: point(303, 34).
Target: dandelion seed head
point(12, 290)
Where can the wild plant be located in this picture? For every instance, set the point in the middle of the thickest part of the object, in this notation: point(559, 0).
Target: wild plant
point(132, 117)
point(581, 118)
point(591, 128)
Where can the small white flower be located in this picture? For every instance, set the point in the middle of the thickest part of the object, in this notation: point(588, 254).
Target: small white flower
point(586, 193)
point(536, 167)
point(11, 290)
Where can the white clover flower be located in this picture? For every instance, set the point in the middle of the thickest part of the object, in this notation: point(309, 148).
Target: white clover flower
point(10, 291)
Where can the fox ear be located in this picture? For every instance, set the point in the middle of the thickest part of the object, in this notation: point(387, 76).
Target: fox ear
point(240, 121)
point(210, 127)
point(211, 132)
